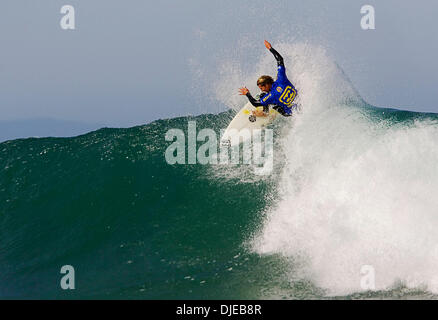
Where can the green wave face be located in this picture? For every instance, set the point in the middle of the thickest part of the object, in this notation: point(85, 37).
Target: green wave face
point(131, 225)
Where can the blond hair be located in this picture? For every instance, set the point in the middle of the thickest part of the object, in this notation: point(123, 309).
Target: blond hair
point(263, 80)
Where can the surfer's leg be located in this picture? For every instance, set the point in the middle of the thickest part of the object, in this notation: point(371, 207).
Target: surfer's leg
point(282, 111)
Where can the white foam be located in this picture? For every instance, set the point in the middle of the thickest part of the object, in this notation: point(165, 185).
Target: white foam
point(354, 191)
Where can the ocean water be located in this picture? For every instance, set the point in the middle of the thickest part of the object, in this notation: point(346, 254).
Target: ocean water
point(352, 185)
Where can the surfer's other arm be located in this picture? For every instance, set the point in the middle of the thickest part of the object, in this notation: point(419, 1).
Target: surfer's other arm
point(277, 56)
point(281, 75)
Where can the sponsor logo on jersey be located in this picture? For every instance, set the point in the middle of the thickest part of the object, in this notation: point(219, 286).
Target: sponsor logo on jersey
point(288, 95)
point(279, 89)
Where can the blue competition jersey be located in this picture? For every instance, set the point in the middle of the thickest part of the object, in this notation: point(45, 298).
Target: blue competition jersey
point(282, 92)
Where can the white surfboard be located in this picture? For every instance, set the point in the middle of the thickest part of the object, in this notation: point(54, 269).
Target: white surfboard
point(243, 123)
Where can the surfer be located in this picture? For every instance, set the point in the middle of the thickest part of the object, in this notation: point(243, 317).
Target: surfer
point(280, 93)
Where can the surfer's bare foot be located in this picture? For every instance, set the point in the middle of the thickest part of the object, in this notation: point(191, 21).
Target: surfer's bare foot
point(259, 113)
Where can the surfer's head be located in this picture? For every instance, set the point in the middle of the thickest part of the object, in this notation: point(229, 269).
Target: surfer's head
point(265, 83)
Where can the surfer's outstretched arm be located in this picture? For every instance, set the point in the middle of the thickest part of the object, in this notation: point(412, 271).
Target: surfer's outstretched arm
point(277, 56)
point(245, 92)
point(254, 102)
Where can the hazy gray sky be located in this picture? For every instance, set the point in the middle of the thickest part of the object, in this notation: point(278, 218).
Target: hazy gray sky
point(128, 62)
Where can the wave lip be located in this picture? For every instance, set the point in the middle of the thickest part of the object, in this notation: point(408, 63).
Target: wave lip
point(358, 187)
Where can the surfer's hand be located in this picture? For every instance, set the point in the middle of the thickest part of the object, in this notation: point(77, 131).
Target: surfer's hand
point(268, 45)
point(243, 91)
